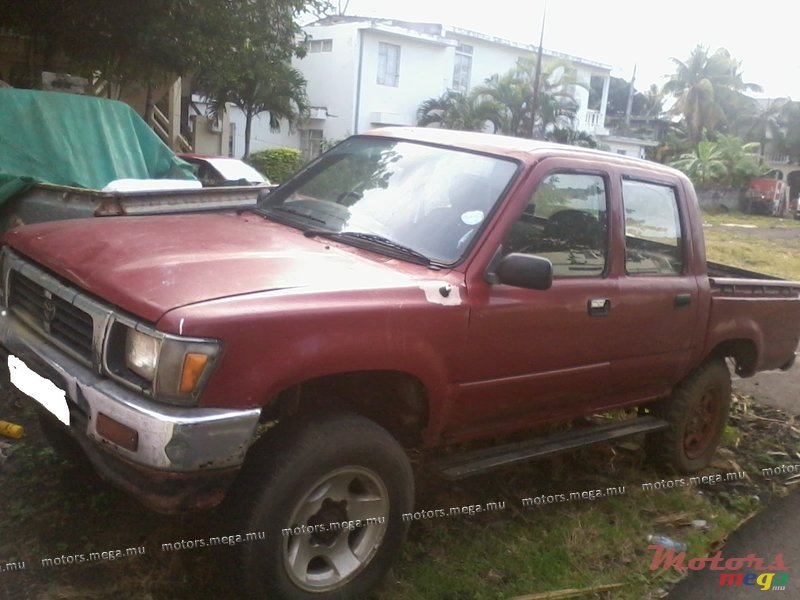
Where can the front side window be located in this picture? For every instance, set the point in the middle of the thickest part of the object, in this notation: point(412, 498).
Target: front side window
point(566, 222)
point(388, 64)
point(652, 229)
point(398, 196)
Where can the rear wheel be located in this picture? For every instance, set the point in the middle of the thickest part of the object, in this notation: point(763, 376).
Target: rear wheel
point(697, 412)
point(329, 494)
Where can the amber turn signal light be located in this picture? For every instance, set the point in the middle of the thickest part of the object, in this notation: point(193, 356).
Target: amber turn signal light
point(116, 432)
point(193, 365)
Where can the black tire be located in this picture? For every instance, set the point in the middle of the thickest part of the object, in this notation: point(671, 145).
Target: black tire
point(321, 455)
point(697, 412)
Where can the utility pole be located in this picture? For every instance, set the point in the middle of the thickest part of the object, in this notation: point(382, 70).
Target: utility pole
point(629, 107)
point(537, 77)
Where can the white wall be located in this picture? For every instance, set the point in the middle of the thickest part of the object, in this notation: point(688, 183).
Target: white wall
point(332, 78)
point(627, 148)
point(426, 71)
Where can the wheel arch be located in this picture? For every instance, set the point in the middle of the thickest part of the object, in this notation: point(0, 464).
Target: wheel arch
point(396, 400)
point(743, 351)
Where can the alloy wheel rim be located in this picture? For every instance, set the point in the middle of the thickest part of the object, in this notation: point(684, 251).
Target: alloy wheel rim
point(336, 529)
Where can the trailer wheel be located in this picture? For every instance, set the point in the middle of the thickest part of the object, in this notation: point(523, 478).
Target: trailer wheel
point(328, 493)
point(697, 412)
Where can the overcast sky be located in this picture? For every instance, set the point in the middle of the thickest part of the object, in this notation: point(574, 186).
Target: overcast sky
point(764, 35)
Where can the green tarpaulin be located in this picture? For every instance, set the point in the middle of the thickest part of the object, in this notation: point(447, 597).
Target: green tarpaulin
point(80, 141)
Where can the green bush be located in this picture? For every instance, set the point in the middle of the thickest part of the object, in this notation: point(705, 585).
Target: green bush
point(277, 164)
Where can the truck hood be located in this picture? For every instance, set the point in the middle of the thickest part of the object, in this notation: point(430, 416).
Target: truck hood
point(150, 265)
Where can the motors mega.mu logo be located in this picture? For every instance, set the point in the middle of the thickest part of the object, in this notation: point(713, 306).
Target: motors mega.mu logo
point(749, 571)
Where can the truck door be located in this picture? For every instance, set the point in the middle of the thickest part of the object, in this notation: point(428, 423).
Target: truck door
point(655, 317)
point(535, 354)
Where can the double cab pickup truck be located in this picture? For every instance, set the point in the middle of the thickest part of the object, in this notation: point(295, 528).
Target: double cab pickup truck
point(409, 289)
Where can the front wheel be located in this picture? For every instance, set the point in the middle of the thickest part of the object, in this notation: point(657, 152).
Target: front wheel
point(697, 412)
point(328, 494)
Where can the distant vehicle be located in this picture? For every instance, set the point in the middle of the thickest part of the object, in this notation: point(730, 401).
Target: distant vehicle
point(767, 196)
point(221, 170)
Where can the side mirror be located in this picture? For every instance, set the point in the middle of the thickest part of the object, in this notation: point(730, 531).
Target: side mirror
point(525, 271)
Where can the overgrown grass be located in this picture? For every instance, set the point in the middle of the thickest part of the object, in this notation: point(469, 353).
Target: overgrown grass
point(738, 218)
point(50, 508)
point(775, 252)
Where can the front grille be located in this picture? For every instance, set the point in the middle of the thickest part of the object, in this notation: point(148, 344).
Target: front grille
point(51, 315)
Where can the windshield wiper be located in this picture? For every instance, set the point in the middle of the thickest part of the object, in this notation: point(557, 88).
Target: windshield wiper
point(373, 238)
point(264, 210)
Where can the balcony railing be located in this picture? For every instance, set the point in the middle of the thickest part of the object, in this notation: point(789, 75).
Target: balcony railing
point(592, 120)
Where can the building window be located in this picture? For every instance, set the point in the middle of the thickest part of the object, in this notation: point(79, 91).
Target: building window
point(311, 143)
point(388, 64)
point(317, 46)
point(463, 68)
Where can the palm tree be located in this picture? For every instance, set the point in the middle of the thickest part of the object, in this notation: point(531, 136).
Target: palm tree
point(705, 165)
point(514, 92)
point(705, 85)
point(653, 102)
point(766, 121)
point(509, 92)
point(454, 110)
point(257, 87)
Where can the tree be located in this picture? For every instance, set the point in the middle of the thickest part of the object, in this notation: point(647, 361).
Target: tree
point(571, 136)
point(705, 86)
point(453, 110)
point(728, 162)
point(511, 95)
point(766, 121)
point(256, 85)
point(742, 161)
point(653, 102)
point(254, 72)
point(513, 91)
point(704, 166)
point(149, 40)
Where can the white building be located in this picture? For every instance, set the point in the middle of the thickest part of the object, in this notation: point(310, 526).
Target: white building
point(364, 73)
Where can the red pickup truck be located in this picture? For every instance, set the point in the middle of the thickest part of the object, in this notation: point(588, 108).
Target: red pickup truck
point(410, 288)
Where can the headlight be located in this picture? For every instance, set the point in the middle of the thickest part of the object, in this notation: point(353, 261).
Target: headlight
point(141, 354)
point(167, 367)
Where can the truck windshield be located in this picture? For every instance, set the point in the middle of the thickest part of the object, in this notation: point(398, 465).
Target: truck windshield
point(426, 200)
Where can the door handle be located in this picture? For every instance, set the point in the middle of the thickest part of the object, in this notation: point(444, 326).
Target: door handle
point(683, 300)
point(598, 307)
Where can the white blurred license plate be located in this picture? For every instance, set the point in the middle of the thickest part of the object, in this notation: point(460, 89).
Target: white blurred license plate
point(44, 391)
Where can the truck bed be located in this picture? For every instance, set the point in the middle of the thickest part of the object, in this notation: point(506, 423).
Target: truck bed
point(767, 308)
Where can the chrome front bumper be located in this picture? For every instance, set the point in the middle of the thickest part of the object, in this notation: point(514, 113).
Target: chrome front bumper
point(177, 439)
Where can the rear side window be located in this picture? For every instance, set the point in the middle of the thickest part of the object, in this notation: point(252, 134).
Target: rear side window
point(652, 229)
